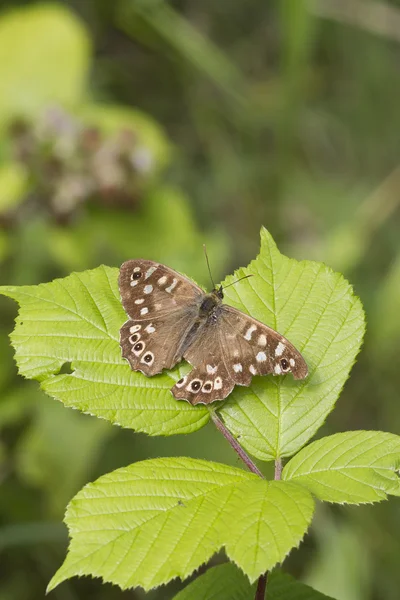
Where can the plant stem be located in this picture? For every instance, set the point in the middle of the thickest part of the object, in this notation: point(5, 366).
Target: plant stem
point(235, 444)
point(278, 469)
point(262, 580)
point(261, 587)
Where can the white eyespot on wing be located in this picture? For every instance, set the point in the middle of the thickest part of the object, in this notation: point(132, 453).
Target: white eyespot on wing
point(250, 332)
point(278, 369)
point(139, 301)
point(172, 286)
point(147, 358)
point(279, 350)
point(150, 328)
point(150, 272)
point(133, 283)
point(207, 387)
point(181, 382)
point(148, 289)
point(261, 357)
point(194, 385)
point(134, 338)
point(211, 370)
point(138, 348)
point(135, 328)
point(162, 280)
point(292, 362)
point(253, 370)
point(144, 311)
point(218, 383)
point(262, 340)
point(238, 368)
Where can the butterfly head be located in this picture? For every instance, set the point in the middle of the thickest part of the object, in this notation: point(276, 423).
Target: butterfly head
point(218, 292)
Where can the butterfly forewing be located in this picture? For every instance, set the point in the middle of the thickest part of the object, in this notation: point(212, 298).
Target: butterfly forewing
point(256, 349)
point(162, 305)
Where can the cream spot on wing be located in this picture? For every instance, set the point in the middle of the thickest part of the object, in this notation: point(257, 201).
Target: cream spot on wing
point(249, 332)
point(207, 387)
point(139, 301)
point(181, 382)
point(136, 269)
point(238, 368)
point(147, 358)
point(133, 283)
point(171, 287)
point(278, 369)
point(134, 338)
point(148, 289)
point(253, 370)
point(138, 348)
point(292, 362)
point(162, 280)
point(144, 311)
point(218, 383)
point(211, 370)
point(134, 328)
point(150, 328)
point(195, 385)
point(280, 349)
point(236, 353)
point(150, 272)
point(262, 340)
point(261, 357)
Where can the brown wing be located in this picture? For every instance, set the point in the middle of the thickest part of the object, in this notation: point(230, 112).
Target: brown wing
point(162, 306)
point(230, 352)
point(252, 348)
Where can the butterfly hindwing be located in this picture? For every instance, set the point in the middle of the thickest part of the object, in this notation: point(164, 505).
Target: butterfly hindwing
point(204, 384)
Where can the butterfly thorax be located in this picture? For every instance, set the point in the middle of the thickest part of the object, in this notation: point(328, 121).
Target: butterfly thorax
point(210, 303)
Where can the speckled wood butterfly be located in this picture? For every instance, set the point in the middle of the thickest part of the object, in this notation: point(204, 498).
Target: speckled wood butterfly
point(171, 318)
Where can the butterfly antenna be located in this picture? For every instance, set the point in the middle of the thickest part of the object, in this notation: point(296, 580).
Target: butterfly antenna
point(208, 265)
point(237, 280)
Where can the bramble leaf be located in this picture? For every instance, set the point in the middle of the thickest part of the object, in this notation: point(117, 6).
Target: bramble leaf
point(148, 523)
point(353, 467)
point(74, 322)
point(315, 308)
point(227, 582)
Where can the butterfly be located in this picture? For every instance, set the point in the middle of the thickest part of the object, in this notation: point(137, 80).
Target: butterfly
point(171, 318)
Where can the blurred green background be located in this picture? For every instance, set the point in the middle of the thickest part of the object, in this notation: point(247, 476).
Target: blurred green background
point(144, 128)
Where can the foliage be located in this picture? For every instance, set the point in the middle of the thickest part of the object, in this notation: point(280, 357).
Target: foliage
point(285, 114)
point(155, 520)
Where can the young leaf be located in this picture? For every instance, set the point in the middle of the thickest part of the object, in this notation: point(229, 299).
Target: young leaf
point(316, 310)
point(159, 519)
point(75, 322)
point(226, 582)
point(353, 467)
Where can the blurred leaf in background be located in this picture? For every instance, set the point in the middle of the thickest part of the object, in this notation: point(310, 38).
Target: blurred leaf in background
point(239, 114)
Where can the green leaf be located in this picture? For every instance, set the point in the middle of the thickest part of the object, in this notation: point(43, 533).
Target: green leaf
point(353, 467)
point(75, 322)
point(44, 58)
point(226, 582)
point(159, 519)
point(315, 308)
